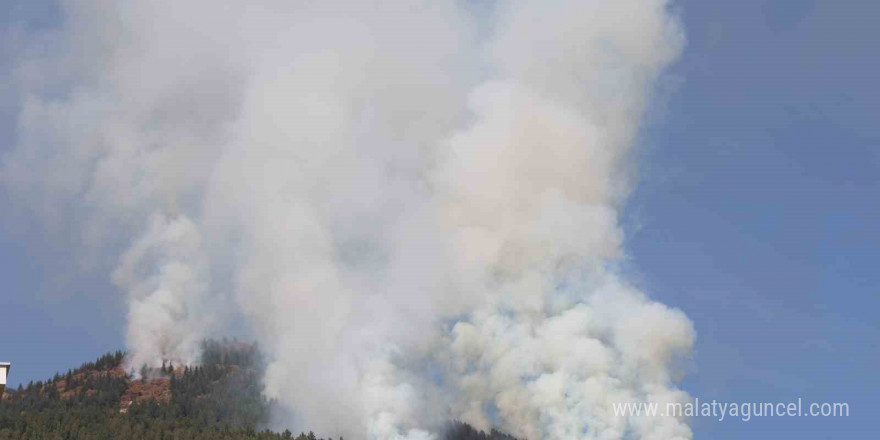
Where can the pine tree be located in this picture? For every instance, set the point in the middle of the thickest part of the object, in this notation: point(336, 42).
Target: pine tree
point(144, 372)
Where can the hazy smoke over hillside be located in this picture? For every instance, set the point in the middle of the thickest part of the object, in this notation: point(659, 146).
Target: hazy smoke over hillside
point(413, 204)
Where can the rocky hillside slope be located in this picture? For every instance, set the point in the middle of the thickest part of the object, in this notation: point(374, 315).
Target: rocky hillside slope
point(219, 399)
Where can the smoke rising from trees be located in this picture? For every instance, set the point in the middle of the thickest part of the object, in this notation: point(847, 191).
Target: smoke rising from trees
point(413, 204)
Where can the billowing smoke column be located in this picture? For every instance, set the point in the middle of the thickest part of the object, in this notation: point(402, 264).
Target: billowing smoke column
point(413, 204)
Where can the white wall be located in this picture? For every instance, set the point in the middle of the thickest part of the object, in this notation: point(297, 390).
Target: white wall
point(3, 369)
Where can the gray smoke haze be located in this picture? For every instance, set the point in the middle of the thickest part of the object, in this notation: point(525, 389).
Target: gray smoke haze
point(413, 204)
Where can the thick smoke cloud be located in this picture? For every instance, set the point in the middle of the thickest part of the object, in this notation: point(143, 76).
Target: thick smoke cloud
point(413, 204)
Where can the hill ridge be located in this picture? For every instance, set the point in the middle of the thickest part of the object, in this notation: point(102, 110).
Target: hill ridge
point(219, 399)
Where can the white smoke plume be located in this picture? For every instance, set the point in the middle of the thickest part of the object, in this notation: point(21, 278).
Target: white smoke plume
point(162, 322)
point(414, 204)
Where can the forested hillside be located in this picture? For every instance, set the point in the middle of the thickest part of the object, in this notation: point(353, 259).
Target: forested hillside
point(219, 399)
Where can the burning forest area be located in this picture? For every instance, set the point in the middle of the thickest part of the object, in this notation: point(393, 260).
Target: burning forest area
point(439, 219)
point(220, 398)
point(414, 208)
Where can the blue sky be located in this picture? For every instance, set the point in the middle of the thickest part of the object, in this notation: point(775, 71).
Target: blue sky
point(756, 214)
